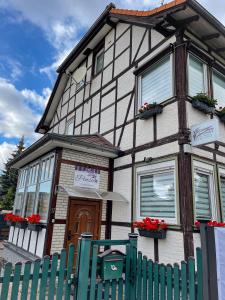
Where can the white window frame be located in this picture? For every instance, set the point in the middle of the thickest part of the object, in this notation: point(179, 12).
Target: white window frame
point(221, 173)
point(100, 52)
point(152, 169)
point(206, 169)
point(205, 74)
point(147, 70)
point(220, 74)
point(68, 123)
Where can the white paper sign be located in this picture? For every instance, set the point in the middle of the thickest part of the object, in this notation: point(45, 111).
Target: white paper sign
point(86, 177)
point(205, 132)
point(220, 261)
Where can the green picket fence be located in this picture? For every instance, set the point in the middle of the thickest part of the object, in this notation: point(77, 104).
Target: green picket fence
point(142, 279)
point(42, 279)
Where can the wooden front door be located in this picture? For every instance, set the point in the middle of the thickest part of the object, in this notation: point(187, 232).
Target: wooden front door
point(84, 216)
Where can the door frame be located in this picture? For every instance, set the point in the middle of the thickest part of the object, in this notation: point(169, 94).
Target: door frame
point(70, 200)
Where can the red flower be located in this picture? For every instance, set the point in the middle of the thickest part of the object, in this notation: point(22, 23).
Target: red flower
point(150, 224)
point(34, 219)
point(9, 217)
point(197, 224)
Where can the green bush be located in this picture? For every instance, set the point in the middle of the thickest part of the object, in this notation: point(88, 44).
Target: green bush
point(202, 97)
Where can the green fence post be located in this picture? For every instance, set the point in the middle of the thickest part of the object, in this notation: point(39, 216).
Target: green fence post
point(83, 268)
point(133, 266)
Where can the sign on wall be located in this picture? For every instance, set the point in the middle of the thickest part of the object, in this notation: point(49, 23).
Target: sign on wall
point(86, 177)
point(205, 132)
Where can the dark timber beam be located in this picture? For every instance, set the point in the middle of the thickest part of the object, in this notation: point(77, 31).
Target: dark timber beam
point(209, 37)
point(222, 49)
point(184, 159)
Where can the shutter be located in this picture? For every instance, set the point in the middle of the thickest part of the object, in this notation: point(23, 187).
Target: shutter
point(195, 76)
point(202, 197)
point(157, 195)
point(222, 191)
point(219, 88)
point(156, 83)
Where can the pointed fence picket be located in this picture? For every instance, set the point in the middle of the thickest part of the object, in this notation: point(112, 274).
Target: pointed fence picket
point(41, 279)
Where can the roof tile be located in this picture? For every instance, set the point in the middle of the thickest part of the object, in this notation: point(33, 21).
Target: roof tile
point(146, 13)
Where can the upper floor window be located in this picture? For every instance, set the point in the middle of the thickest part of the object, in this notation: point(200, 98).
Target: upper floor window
point(219, 88)
point(98, 60)
point(157, 191)
point(197, 76)
point(70, 127)
point(156, 84)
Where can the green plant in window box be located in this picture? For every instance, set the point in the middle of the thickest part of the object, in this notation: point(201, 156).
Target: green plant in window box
point(221, 113)
point(149, 109)
point(152, 228)
point(34, 222)
point(204, 103)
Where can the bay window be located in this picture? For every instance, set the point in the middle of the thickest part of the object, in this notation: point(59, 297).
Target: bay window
point(157, 191)
point(34, 188)
point(156, 83)
point(197, 76)
point(219, 88)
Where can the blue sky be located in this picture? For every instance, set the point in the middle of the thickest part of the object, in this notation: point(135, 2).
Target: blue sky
point(35, 37)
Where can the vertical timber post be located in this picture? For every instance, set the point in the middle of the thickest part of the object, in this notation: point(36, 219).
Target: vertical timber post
point(133, 237)
point(184, 159)
point(210, 287)
point(83, 268)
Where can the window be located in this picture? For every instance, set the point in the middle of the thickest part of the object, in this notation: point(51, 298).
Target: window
point(219, 88)
point(99, 61)
point(222, 191)
point(197, 79)
point(70, 127)
point(204, 191)
point(157, 191)
point(202, 196)
point(19, 198)
point(155, 84)
point(34, 187)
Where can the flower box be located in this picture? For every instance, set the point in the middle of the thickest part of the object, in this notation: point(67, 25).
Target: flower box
point(155, 234)
point(34, 227)
point(21, 225)
point(10, 223)
point(202, 106)
point(151, 112)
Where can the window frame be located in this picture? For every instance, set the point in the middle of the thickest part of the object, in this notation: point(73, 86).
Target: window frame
point(68, 123)
point(139, 78)
point(221, 75)
point(206, 169)
point(221, 173)
point(99, 49)
point(158, 168)
point(205, 74)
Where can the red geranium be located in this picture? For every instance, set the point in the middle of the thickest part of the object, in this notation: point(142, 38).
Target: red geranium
point(14, 218)
point(211, 223)
point(9, 217)
point(150, 224)
point(34, 219)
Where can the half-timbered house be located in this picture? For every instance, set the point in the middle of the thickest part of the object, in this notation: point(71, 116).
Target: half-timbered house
point(99, 165)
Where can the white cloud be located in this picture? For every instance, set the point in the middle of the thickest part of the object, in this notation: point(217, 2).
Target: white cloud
point(18, 111)
point(5, 152)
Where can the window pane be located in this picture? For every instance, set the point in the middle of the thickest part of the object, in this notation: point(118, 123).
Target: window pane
point(18, 206)
point(222, 191)
point(202, 197)
point(69, 128)
point(156, 83)
point(219, 88)
point(30, 200)
point(43, 199)
point(195, 76)
point(99, 62)
point(157, 195)
point(51, 167)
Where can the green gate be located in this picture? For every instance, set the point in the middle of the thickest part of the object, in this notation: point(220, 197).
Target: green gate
point(141, 279)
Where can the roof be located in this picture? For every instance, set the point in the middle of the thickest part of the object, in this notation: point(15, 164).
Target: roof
point(91, 143)
point(167, 19)
point(146, 13)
